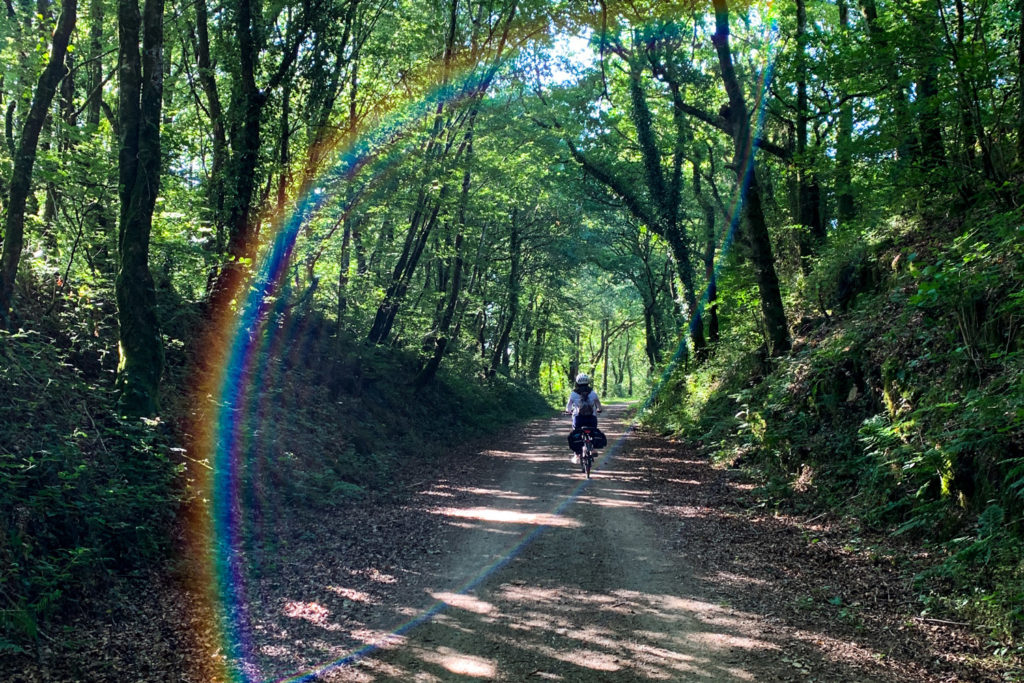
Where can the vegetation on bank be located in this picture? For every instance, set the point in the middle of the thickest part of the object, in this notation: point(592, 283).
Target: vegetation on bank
point(91, 501)
point(900, 407)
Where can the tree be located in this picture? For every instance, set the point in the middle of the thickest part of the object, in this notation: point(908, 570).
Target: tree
point(139, 167)
point(25, 156)
point(656, 203)
point(738, 119)
point(237, 153)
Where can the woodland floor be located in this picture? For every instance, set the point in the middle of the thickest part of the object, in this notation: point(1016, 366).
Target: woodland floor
point(506, 565)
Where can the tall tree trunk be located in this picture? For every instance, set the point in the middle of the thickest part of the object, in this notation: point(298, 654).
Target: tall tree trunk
point(844, 143)
point(343, 268)
point(219, 150)
point(753, 213)
point(25, 157)
point(907, 144)
point(442, 338)
point(140, 99)
point(651, 345)
point(284, 148)
point(239, 216)
point(515, 252)
point(709, 254)
point(1020, 84)
point(420, 228)
point(94, 106)
point(665, 196)
point(537, 351)
point(808, 192)
point(420, 225)
point(629, 367)
point(929, 117)
point(926, 103)
point(437, 161)
point(605, 344)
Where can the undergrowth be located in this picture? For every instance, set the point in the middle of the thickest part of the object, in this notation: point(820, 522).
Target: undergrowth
point(901, 403)
point(89, 502)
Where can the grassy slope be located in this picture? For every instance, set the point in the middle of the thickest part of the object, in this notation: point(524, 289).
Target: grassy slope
point(901, 405)
point(87, 499)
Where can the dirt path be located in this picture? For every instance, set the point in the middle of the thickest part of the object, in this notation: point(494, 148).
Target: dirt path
point(504, 564)
point(650, 571)
point(584, 592)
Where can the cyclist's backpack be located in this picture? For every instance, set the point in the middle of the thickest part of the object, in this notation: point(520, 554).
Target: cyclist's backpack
point(586, 405)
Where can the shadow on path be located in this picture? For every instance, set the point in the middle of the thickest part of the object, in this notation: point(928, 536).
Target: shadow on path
point(533, 573)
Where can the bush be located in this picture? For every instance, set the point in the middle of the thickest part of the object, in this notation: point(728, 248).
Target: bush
point(900, 403)
point(83, 496)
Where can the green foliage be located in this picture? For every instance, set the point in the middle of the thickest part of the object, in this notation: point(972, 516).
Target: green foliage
point(84, 497)
point(902, 406)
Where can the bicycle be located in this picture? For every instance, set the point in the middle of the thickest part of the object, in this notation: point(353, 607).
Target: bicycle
point(587, 454)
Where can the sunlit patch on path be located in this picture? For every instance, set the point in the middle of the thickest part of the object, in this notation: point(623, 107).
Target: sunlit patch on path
point(532, 572)
point(508, 516)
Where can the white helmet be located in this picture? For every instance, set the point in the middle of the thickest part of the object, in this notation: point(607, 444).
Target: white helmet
point(583, 378)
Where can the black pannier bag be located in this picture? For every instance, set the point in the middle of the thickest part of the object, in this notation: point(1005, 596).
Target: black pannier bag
point(576, 439)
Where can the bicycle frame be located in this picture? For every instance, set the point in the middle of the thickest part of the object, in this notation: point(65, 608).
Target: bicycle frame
point(587, 456)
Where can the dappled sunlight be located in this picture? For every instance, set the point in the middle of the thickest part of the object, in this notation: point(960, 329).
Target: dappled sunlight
point(573, 612)
point(590, 588)
point(572, 630)
point(312, 612)
point(276, 650)
point(611, 502)
point(540, 455)
point(620, 475)
point(464, 602)
point(460, 663)
point(447, 490)
point(508, 516)
point(478, 525)
point(588, 659)
point(451, 620)
point(374, 575)
point(669, 647)
point(530, 594)
point(376, 670)
point(632, 493)
point(352, 594)
point(370, 636)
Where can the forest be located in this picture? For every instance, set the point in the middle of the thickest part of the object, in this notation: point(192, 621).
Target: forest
point(257, 256)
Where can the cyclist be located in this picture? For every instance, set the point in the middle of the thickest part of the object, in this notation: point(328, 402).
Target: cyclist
point(584, 404)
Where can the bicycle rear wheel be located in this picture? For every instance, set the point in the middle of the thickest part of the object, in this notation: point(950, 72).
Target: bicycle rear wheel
point(588, 459)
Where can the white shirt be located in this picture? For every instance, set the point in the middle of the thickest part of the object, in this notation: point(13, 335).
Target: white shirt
point(576, 402)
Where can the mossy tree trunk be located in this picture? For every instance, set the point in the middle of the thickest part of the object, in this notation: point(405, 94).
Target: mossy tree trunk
point(776, 327)
point(140, 98)
point(808, 192)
